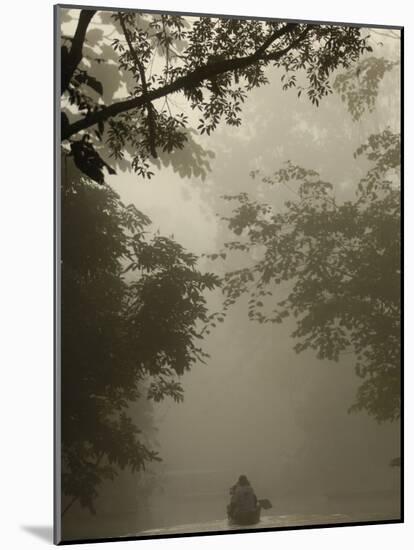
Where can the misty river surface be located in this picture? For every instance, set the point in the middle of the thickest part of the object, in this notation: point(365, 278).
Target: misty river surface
point(203, 510)
point(319, 513)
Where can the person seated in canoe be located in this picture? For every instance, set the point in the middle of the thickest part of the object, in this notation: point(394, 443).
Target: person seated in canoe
point(243, 499)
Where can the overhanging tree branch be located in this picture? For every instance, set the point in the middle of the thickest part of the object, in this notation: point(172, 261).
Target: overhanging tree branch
point(191, 79)
point(274, 36)
point(72, 58)
point(274, 56)
point(141, 70)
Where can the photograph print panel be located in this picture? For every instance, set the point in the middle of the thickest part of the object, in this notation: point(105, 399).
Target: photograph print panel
point(228, 274)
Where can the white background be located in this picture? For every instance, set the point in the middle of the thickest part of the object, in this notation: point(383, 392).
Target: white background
point(26, 314)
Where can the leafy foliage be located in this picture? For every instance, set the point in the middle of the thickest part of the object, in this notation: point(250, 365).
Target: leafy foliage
point(337, 265)
point(88, 161)
point(132, 303)
point(358, 86)
point(212, 62)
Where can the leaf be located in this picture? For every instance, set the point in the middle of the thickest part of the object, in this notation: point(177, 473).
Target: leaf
point(93, 83)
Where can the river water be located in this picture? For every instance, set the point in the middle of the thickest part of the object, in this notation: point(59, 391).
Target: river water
point(204, 514)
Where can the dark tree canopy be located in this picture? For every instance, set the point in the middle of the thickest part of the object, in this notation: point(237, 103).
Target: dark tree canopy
point(132, 306)
point(212, 62)
point(337, 264)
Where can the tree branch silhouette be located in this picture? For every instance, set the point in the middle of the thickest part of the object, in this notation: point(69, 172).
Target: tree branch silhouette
point(72, 58)
point(141, 70)
point(190, 80)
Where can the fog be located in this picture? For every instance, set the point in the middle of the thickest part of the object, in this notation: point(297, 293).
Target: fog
point(257, 407)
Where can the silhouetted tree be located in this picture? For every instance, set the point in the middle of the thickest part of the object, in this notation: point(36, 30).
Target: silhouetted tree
point(212, 62)
point(336, 264)
point(132, 303)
